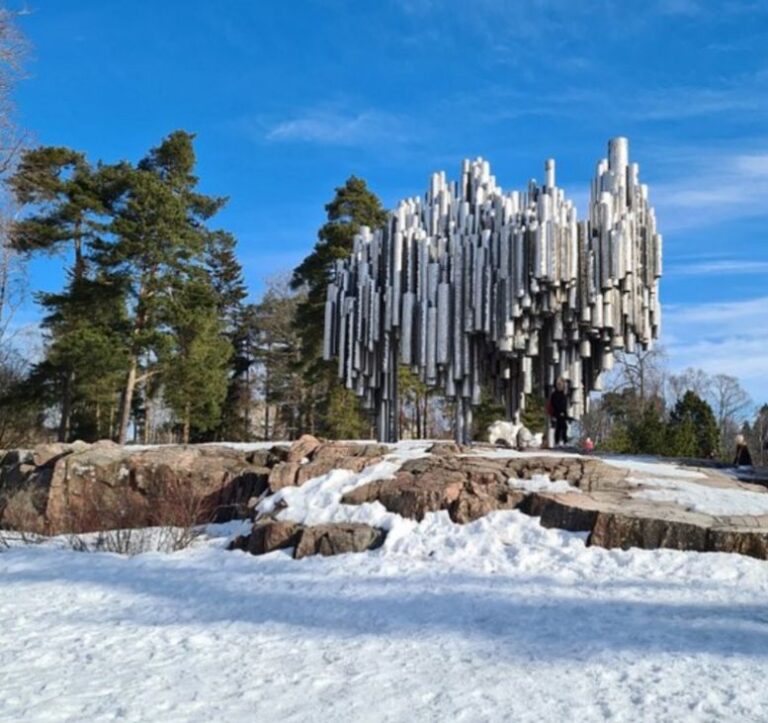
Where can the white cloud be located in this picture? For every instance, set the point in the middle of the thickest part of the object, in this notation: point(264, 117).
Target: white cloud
point(330, 127)
point(717, 186)
point(722, 266)
point(729, 337)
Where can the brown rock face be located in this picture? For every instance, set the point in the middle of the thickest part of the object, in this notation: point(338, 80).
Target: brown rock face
point(620, 530)
point(338, 539)
point(343, 450)
point(329, 539)
point(268, 536)
point(283, 474)
point(85, 488)
point(303, 447)
point(322, 465)
point(467, 488)
point(602, 502)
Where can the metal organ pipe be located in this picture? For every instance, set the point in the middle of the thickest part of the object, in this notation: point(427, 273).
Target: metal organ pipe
point(472, 287)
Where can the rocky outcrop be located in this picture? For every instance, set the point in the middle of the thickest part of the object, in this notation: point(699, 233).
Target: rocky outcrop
point(470, 487)
point(305, 461)
point(602, 502)
point(81, 487)
point(77, 488)
point(303, 448)
point(327, 539)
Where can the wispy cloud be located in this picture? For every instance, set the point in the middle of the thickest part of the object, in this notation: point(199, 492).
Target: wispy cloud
point(728, 337)
point(723, 266)
point(716, 187)
point(336, 128)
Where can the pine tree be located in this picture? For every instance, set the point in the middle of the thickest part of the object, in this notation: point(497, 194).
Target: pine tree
point(647, 431)
point(353, 206)
point(277, 353)
point(414, 402)
point(195, 359)
point(344, 420)
point(86, 328)
point(159, 233)
point(68, 200)
point(226, 277)
point(67, 197)
point(692, 411)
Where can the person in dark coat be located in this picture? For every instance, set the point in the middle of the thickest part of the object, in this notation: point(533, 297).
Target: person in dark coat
point(743, 458)
point(558, 404)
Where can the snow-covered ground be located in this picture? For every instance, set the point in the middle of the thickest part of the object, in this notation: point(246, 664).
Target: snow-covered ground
point(496, 620)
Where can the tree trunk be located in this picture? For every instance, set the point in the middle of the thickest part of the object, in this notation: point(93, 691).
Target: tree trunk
point(147, 421)
point(185, 432)
point(126, 400)
point(66, 408)
point(266, 394)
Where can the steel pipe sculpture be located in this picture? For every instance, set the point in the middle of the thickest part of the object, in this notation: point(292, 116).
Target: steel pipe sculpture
point(477, 289)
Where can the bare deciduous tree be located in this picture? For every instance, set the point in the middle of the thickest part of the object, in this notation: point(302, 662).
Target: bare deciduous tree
point(643, 372)
point(12, 279)
point(689, 380)
point(730, 402)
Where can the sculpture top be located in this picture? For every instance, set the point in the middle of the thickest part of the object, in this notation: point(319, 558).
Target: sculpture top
point(476, 288)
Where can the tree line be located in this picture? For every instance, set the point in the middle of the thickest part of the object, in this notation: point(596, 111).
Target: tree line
point(647, 409)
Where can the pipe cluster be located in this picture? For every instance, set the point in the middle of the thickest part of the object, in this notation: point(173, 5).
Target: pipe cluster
point(476, 289)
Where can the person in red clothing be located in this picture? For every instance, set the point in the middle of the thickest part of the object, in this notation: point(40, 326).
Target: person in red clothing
point(558, 407)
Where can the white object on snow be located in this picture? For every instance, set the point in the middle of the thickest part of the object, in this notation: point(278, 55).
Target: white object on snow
point(504, 431)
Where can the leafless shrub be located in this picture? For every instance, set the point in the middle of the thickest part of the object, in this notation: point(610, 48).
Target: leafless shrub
point(18, 526)
point(126, 522)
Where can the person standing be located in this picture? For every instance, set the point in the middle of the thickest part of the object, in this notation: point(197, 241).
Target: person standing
point(558, 404)
point(743, 458)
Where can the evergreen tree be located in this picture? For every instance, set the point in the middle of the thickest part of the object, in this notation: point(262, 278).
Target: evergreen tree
point(159, 233)
point(86, 329)
point(534, 417)
point(277, 352)
point(647, 431)
point(67, 197)
point(414, 402)
point(344, 419)
point(683, 439)
point(194, 361)
point(226, 277)
point(353, 206)
point(692, 411)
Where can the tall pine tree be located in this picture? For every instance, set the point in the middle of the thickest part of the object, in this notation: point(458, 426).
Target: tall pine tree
point(353, 206)
point(159, 232)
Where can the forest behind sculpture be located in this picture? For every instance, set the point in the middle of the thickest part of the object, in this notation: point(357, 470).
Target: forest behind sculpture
point(475, 289)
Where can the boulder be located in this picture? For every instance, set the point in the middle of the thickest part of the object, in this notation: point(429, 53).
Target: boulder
point(283, 474)
point(267, 536)
point(343, 450)
point(318, 467)
point(338, 539)
point(327, 539)
point(302, 448)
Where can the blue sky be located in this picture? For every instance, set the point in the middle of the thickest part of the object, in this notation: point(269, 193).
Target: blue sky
point(289, 99)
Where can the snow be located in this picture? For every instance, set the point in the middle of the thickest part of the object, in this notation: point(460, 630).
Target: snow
point(500, 619)
point(651, 465)
point(319, 500)
point(701, 498)
point(543, 483)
